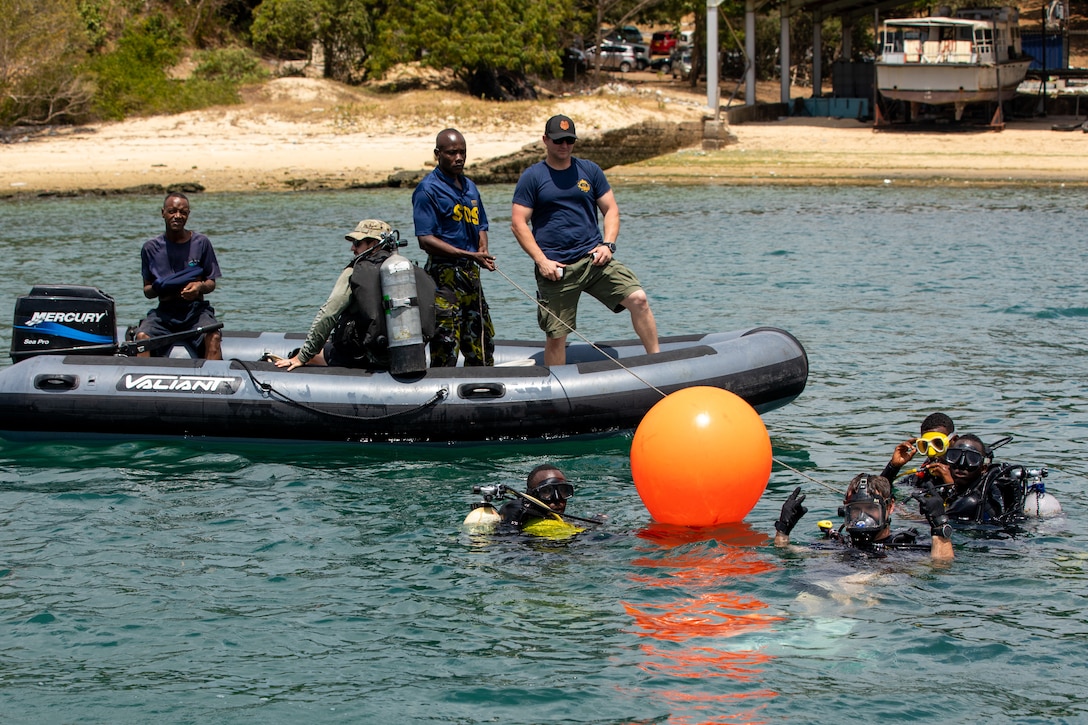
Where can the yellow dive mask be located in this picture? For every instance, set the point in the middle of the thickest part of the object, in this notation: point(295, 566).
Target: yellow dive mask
point(932, 444)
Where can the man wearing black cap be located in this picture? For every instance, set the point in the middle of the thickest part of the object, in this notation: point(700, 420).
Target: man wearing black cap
point(554, 219)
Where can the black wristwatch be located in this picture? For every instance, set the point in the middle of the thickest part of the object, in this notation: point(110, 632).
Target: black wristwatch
point(611, 246)
point(944, 530)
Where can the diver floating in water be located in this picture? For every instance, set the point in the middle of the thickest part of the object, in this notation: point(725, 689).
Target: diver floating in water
point(977, 490)
point(935, 435)
point(867, 509)
point(539, 510)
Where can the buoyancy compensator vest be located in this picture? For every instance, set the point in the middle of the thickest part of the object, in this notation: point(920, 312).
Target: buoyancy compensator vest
point(362, 338)
point(407, 291)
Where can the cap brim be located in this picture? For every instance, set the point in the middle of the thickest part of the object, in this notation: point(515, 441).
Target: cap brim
point(359, 236)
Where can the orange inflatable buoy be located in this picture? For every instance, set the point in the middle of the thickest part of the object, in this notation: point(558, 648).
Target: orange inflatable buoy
point(701, 457)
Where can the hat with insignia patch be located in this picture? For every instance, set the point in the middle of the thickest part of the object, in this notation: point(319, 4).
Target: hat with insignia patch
point(559, 127)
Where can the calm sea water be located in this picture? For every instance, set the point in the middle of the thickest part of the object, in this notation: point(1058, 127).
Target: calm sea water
point(195, 582)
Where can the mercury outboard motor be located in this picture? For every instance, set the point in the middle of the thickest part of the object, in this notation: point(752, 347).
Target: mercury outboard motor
point(63, 319)
point(404, 328)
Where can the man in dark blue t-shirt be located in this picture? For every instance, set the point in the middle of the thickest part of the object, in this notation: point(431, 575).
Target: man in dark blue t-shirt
point(179, 267)
point(554, 219)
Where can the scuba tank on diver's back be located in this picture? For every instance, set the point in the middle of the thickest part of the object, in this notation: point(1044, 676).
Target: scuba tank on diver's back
point(401, 302)
point(483, 516)
point(1038, 502)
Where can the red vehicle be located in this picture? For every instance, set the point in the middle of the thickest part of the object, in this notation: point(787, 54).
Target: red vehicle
point(662, 42)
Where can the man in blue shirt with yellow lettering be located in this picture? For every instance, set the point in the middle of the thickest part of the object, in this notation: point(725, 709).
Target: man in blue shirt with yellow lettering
point(451, 226)
point(554, 219)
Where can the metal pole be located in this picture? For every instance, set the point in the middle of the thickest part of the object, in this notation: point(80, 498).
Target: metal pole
point(784, 56)
point(1043, 64)
point(750, 51)
point(713, 65)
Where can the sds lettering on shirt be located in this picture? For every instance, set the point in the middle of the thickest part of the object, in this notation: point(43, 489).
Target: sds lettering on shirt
point(467, 213)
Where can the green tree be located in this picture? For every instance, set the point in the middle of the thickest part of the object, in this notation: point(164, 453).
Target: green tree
point(345, 31)
point(132, 78)
point(484, 36)
point(285, 29)
point(41, 46)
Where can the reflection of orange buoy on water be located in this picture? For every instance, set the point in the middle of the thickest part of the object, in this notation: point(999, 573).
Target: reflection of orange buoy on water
point(701, 457)
point(687, 635)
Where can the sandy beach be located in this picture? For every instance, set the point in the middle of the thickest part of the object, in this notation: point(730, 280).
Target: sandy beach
point(295, 133)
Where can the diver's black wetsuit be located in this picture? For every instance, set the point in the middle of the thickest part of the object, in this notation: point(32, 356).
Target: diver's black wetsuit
point(519, 513)
point(996, 498)
point(898, 539)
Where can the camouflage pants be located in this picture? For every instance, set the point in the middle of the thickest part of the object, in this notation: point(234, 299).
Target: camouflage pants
point(463, 321)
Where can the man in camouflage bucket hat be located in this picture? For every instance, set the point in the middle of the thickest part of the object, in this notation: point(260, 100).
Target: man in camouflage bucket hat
point(349, 329)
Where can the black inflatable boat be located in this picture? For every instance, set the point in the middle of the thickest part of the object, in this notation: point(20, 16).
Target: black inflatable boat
point(71, 376)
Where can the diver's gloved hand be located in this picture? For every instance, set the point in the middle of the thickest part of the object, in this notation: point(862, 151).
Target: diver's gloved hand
point(931, 506)
point(792, 511)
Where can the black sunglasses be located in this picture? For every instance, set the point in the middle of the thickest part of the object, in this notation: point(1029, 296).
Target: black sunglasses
point(552, 490)
point(561, 141)
point(964, 458)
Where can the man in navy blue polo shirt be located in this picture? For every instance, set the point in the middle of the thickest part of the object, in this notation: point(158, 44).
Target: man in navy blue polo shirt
point(451, 226)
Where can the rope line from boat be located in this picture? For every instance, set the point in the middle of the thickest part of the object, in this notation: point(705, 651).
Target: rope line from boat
point(638, 377)
point(584, 339)
point(802, 474)
point(270, 389)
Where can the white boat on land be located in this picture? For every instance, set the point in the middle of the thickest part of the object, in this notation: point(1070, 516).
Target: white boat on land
point(972, 56)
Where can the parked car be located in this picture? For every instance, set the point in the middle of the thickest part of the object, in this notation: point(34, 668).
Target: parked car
point(642, 55)
point(626, 34)
point(662, 65)
point(681, 62)
point(662, 42)
point(613, 57)
point(686, 37)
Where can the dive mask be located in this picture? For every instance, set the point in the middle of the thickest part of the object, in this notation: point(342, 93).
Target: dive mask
point(553, 490)
point(865, 514)
point(968, 458)
point(932, 444)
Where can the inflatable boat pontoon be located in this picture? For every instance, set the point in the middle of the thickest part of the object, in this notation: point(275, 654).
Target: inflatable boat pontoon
point(606, 387)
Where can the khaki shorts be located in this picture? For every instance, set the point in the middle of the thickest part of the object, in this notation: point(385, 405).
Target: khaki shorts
point(610, 284)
